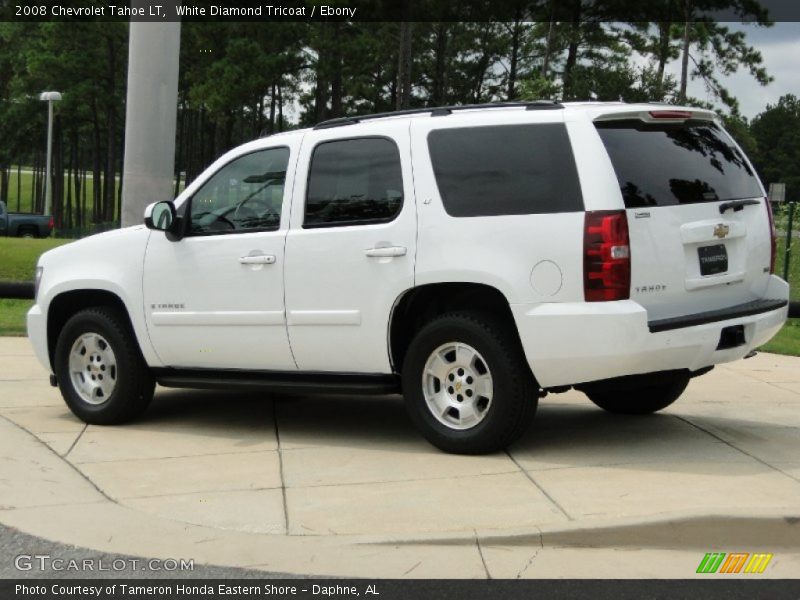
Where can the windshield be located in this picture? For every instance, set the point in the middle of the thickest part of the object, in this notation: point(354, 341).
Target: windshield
point(676, 163)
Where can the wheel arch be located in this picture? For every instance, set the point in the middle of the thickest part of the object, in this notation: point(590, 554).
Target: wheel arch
point(66, 304)
point(418, 305)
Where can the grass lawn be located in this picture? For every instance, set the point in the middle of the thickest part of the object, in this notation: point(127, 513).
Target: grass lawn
point(787, 341)
point(12, 316)
point(18, 258)
point(794, 266)
point(26, 191)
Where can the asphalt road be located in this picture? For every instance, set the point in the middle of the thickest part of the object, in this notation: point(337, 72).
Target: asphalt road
point(14, 543)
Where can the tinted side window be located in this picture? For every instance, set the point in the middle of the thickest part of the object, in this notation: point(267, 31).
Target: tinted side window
point(246, 194)
point(667, 164)
point(505, 170)
point(354, 182)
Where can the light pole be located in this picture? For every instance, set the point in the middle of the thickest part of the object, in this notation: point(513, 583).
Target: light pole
point(49, 97)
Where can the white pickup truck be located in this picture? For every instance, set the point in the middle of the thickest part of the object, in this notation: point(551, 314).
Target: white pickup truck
point(471, 258)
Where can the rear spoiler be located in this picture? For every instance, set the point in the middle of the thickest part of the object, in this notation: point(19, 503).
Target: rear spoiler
point(661, 114)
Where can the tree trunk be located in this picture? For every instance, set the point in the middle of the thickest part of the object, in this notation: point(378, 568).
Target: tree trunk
point(68, 199)
point(96, 185)
point(57, 174)
point(572, 52)
point(516, 34)
point(228, 131)
point(190, 146)
point(687, 26)
point(548, 48)
point(440, 71)
point(19, 185)
point(84, 200)
point(110, 171)
point(4, 182)
point(663, 57)
point(321, 88)
point(336, 79)
point(179, 149)
point(37, 201)
point(404, 62)
point(272, 104)
point(111, 146)
point(280, 107)
point(483, 65)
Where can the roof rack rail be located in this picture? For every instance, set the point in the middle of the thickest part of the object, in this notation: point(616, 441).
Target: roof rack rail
point(438, 111)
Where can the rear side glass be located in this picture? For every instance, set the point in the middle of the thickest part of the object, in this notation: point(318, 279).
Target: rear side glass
point(354, 182)
point(505, 170)
point(678, 163)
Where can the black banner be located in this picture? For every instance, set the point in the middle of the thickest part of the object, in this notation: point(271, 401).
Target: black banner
point(393, 10)
point(341, 589)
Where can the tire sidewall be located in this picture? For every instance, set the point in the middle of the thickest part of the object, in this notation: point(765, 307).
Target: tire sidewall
point(99, 322)
point(641, 401)
point(504, 393)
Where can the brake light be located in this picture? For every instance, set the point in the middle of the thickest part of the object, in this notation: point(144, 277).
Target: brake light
point(606, 256)
point(671, 114)
point(51, 223)
point(772, 237)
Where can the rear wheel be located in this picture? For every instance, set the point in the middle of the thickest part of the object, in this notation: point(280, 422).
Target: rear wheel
point(467, 386)
point(101, 373)
point(26, 233)
point(640, 401)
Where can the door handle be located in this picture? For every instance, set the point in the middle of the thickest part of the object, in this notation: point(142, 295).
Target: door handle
point(261, 259)
point(386, 251)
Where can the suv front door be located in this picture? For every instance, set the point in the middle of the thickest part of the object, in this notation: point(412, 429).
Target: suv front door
point(215, 298)
point(351, 248)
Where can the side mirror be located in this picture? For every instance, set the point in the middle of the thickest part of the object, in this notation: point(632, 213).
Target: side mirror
point(160, 216)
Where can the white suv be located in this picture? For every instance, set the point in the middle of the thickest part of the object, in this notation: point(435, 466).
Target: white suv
point(473, 258)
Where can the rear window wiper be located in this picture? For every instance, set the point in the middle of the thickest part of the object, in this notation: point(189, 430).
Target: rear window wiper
point(736, 205)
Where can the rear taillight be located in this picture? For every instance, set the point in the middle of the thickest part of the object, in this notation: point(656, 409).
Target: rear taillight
point(606, 256)
point(51, 223)
point(772, 237)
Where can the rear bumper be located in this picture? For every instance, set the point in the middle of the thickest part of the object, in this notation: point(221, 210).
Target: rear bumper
point(569, 343)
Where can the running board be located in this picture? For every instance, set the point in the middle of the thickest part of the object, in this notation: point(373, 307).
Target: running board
point(278, 381)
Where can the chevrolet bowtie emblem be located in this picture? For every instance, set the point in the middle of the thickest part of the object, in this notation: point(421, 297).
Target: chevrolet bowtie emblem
point(721, 230)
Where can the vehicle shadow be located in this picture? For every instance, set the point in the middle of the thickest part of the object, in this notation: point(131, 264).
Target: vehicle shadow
point(562, 434)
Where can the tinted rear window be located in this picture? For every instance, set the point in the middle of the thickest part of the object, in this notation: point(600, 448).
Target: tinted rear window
point(505, 170)
point(683, 163)
point(354, 182)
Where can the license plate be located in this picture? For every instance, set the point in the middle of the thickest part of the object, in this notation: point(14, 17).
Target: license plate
point(713, 259)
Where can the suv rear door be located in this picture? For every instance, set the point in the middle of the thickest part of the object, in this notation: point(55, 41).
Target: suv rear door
point(697, 217)
point(350, 251)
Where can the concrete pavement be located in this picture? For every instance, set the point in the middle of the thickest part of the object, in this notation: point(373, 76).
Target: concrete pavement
point(345, 486)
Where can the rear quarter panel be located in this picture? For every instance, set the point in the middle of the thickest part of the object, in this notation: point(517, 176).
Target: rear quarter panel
point(529, 258)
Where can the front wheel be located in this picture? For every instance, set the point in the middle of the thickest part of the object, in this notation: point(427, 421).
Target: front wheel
point(640, 401)
point(466, 384)
point(100, 370)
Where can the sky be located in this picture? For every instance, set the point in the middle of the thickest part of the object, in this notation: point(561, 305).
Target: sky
point(780, 48)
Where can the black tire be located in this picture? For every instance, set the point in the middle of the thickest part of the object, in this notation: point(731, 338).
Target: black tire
point(640, 401)
point(134, 386)
point(514, 390)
